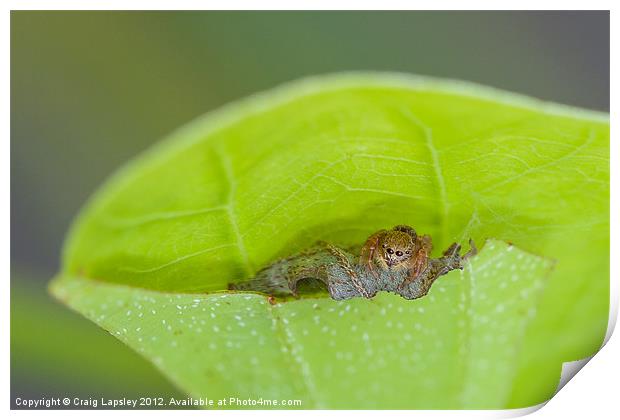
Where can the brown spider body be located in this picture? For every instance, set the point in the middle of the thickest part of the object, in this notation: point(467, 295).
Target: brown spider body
point(397, 249)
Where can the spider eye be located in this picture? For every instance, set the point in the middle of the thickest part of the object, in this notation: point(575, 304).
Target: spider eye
point(407, 252)
point(399, 253)
point(390, 251)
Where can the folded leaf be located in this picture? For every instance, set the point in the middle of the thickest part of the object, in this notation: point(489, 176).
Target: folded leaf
point(339, 157)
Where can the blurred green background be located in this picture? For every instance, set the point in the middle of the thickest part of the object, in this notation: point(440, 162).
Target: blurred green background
point(89, 90)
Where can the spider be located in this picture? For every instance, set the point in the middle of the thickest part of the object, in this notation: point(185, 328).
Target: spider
point(396, 249)
point(395, 260)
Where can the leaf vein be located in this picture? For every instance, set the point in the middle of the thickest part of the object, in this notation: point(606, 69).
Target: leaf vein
point(230, 210)
point(549, 164)
point(441, 183)
point(176, 260)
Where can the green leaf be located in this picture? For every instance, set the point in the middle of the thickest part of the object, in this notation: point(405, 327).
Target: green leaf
point(454, 348)
point(337, 158)
point(48, 341)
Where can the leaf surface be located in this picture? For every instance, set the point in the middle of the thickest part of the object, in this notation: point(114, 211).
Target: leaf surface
point(455, 348)
point(339, 157)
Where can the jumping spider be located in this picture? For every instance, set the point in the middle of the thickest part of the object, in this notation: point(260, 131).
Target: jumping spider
point(396, 249)
point(396, 260)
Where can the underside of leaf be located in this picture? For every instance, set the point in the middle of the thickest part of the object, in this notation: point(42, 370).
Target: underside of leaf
point(335, 159)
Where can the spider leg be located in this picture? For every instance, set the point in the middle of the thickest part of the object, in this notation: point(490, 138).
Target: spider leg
point(343, 262)
point(369, 251)
point(419, 261)
point(472, 250)
point(452, 250)
point(424, 246)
